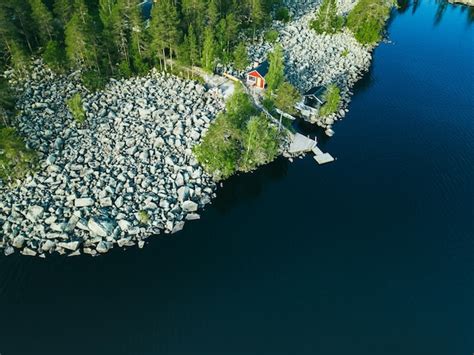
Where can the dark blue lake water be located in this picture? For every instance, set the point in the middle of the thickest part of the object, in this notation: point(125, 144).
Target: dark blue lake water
point(373, 254)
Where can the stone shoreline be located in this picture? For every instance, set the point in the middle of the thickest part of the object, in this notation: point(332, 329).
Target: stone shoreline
point(129, 172)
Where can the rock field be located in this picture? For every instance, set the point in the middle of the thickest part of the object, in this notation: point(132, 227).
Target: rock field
point(127, 173)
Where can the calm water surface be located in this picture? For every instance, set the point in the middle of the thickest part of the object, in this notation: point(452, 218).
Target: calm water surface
point(373, 254)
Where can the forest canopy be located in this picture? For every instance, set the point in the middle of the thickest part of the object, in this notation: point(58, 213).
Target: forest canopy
point(113, 38)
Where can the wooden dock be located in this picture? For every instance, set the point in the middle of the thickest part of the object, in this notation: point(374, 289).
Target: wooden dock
point(301, 144)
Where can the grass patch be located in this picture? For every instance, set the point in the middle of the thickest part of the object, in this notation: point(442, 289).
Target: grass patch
point(143, 217)
point(16, 161)
point(333, 100)
point(75, 107)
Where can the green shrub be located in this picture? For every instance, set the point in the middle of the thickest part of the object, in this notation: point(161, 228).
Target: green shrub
point(283, 14)
point(271, 36)
point(75, 107)
point(143, 217)
point(333, 100)
point(16, 161)
point(93, 80)
point(367, 20)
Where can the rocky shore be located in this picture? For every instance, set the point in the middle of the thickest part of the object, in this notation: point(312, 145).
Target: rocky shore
point(127, 173)
point(313, 59)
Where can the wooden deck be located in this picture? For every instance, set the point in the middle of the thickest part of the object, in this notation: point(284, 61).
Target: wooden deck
point(301, 144)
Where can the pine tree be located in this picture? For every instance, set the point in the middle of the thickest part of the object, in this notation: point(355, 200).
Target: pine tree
point(164, 29)
point(19, 15)
point(276, 72)
point(213, 14)
point(18, 58)
point(257, 14)
point(138, 41)
point(193, 46)
point(209, 50)
point(43, 20)
point(287, 97)
point(63, 11)
point(80, 44)
point(241, 59)
point(327, 20)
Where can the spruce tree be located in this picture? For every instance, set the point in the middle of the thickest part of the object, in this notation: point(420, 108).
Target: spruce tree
point(43, 20)
point(63, 11)
point(276, 72)
point(213, 14)
point(327, 20)
point(241, 59)
point(164, 29)
point(193, 46)
point(209, 50)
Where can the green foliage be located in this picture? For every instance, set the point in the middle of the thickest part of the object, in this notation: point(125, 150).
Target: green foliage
point(164, 28)
point(143, 217)
point(101, 35)
point(43, 20)
point(7, 96)
point(75, 107)
point(271, 36)
point(78, 42)
point(367, 20)
point(241, 58)
point(276, 72)
point(268, 103)
point(124, 69)
point(261, 143)
point(16, 161)
point(18, 57)
point(237, 140)
point(209, 50)
point(327, 20)
point(287, 97)
point(54, 55)
point(345, 53)
point(93, 80)
point(333, 100)
point(283, 14)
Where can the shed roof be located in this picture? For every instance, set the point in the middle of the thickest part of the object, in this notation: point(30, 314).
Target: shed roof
point(316, 91)
point(262, 69)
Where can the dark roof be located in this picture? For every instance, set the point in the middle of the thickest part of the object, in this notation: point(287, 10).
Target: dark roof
point(317, 91)
point(262, 69)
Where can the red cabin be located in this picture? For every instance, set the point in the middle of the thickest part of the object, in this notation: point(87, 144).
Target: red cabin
point(256, 77)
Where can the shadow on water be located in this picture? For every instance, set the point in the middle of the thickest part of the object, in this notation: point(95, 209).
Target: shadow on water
point(248, 187)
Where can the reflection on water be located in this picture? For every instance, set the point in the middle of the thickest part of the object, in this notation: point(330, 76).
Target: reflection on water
point(442, 5)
